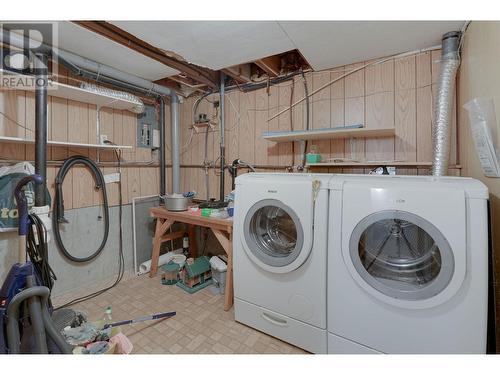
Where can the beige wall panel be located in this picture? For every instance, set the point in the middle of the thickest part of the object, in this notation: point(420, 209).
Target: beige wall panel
point(261, 126)
point(285, 122)
point(337, 106)
point(424, 124)
point(354, 88)
point(273, 148)
point(321, 111)
point(298, 115)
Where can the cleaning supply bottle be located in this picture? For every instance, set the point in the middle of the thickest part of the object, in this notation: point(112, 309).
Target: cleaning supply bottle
point(107, 316)
point(185, 245)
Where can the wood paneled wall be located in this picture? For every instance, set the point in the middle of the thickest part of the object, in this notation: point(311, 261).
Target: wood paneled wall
point(76, 122)
point(396, 93)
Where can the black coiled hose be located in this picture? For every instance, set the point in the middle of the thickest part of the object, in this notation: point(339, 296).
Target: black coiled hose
point(58, 214)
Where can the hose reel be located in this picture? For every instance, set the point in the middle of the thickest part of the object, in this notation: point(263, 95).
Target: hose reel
point(58, 214)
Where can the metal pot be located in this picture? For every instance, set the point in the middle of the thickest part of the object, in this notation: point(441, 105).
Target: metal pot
point(175, 202)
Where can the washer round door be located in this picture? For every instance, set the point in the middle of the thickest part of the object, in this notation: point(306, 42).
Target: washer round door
point(401, 255)
point(274, 236)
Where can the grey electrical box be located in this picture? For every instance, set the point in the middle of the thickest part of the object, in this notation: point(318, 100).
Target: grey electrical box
point(148, 128)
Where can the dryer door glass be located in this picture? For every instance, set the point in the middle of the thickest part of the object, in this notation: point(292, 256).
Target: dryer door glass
point(402, 255)
point(273, 233)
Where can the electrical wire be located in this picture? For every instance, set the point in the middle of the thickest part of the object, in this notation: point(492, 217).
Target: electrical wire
point(37, 251)
point(16, 122)
point(121, 258)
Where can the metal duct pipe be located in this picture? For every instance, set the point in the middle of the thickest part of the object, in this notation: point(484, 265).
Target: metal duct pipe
point(103, 73)
point(443, 105)
point(176, 170)
point(161, 103)
point(222, 130)
point(41, 120)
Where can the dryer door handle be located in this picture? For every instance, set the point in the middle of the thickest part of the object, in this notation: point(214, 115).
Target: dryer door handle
point(274, 320)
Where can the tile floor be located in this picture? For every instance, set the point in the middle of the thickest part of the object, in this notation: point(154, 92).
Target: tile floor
point(201, 325)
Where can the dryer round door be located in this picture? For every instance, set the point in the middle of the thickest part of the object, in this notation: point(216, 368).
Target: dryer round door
point(401, 255)
point(274, 236)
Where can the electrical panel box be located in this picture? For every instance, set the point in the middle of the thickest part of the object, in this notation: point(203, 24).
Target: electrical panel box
point(148, 128)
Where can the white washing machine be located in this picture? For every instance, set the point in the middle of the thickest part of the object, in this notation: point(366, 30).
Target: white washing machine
point(407, 265)
point(279, 254)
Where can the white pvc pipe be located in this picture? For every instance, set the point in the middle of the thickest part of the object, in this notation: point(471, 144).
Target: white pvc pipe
point(145, 267)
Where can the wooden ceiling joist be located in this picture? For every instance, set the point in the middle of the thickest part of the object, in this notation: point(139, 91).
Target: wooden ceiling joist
point(240, 73)
point(197, 73)
point(187, 81)
point(271, 65)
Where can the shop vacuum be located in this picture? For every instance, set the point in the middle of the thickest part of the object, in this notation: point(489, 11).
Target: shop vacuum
point(26, 319)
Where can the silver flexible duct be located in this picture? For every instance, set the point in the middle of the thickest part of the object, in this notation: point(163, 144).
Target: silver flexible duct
point(443, 105)
point(115, 77)
point(138, 107)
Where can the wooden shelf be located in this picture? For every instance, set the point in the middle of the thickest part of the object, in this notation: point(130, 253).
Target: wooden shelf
point(318, 134)
point(407, 164)
point(62, 90)
point(63, 144)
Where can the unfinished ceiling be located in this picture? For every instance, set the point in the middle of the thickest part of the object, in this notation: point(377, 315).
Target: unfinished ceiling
point(80, 41)
point(213, 44)
point(324, 44)
point(327, 44)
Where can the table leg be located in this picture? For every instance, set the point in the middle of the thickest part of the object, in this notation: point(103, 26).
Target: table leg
point(193, 249)
point(225, 239)
point(229, 295)
point(161, 228)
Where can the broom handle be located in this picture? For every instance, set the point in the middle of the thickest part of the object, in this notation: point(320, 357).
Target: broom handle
point(141, 319)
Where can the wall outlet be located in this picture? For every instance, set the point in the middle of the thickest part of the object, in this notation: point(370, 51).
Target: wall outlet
point(112, 177)
point(103, 138)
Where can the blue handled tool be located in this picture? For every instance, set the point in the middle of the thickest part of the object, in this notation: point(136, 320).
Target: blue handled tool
point(22, 203)
point(141, 319)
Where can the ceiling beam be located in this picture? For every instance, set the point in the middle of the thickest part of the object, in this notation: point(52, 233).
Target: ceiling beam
point(241, 73)
point(187, 81)
point(271, 65)
point(197, 73)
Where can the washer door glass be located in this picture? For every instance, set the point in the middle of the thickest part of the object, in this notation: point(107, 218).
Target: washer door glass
point(401, 255)
point(273, 233)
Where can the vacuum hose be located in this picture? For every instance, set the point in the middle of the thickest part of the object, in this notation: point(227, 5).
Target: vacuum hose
point(58, 214)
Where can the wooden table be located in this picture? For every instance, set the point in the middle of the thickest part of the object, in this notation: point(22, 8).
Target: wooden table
point(222, 229)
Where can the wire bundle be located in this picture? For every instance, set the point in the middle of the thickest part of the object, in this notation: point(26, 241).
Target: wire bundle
point(37, 249)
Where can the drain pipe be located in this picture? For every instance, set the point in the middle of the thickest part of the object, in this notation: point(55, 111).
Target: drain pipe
point(41, 120)
point(176, 168)
point(443, 105)
point(222, 130)
point(102, 73)
point(161, 103)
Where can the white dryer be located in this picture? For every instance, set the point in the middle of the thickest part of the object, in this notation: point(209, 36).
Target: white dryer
point(407, 265)
point(279, 254)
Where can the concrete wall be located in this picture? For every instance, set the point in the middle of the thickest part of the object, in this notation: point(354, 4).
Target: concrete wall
point(479, 77)
point(82, 235)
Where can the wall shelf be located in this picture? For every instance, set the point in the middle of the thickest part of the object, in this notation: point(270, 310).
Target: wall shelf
point(64, 91)
point(407, 164)
point(319, 134)
point(4, 139)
